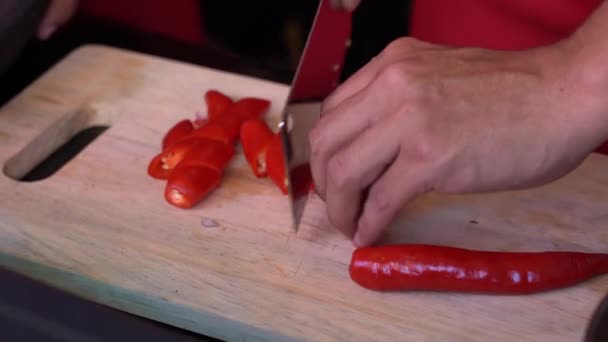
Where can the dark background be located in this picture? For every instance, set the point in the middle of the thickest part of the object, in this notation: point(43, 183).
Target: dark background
point(241, 36)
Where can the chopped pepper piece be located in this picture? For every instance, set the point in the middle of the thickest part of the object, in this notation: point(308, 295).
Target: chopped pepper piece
point(217, 104)
point(255, 137)
point(155, 169)
point(249, 108)
point(188, 185)
point(177, 132)
point(161, 165)
point(209, 153)
point(215, 130)
point(275, 164)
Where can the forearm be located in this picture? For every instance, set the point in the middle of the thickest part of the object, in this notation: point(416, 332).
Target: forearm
point(590, 38)
point(586, 78)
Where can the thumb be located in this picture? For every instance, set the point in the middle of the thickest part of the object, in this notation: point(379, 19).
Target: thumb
point(57, 14)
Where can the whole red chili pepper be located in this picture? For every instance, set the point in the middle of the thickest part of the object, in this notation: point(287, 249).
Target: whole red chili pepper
point(441, 268)
point(177, 132)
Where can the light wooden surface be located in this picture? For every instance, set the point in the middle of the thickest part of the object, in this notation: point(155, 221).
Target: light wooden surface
point(101, 228)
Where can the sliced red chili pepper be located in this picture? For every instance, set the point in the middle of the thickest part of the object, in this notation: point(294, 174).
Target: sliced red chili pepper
point(217, 103)
point(255, 136)
point(168, 159)
point(200, 120)
point(442, 268)
point(188, 185)
point(249, 108)
point(231, 126)
point(212, 132)
point(225, 129)
point(155, 168)
point(209, 153)
point(275, 165)
point(177, 132)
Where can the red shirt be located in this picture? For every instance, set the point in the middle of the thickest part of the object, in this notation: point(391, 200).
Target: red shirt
point(499, 24)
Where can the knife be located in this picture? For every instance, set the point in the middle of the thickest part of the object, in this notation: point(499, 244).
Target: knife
point(317, 75)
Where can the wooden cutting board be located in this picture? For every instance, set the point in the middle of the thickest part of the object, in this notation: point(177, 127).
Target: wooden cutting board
point(100, 227)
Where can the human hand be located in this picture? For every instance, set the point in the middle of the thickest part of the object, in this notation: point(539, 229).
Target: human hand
point(349, 5)
point(421, 117)
point(58, 13)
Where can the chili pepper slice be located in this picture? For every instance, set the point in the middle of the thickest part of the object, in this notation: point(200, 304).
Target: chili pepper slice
point(255, 136)
point(442, 268)
point(249, 108)
point(200, 120)
point(224, 129)
point(155, 168)
point(217, 103)
point(213, 131)
point(188, 185)
point(275, 166)
point(177, 132)
point(209, 153)
point(174, 154)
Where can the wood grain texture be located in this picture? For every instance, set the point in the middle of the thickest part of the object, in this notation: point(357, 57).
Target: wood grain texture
point(100, 227)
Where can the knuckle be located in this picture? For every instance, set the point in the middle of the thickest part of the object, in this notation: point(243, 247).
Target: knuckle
point(426, 148)
point(406, 43)
point(334, 99)
point(395, 75)
point(399, 46)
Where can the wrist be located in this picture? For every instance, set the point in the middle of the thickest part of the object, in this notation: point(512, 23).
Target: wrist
point(578, 81)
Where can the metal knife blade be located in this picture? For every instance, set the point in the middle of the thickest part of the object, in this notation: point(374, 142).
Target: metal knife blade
point(316, 77)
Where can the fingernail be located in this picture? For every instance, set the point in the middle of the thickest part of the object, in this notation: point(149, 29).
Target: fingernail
point(46, 32)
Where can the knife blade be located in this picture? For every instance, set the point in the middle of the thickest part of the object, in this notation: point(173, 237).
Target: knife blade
point(317, 75)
